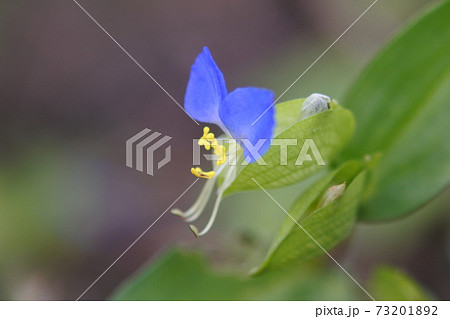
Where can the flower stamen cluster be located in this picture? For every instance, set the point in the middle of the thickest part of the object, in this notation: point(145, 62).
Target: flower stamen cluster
point(209, 141)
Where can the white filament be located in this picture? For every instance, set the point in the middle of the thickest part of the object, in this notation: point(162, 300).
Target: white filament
point(213, 215)
point(196, 210)
point(221, 190)
point(202, 200)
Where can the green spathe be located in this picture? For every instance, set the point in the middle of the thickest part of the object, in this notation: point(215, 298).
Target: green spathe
point(329, 131)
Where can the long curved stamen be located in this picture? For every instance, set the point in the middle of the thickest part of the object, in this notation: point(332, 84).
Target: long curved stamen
point(194, 215)
point(195, 211)
point(209, 141)
point(200, 204)
point(221, 190)
point(211, 219)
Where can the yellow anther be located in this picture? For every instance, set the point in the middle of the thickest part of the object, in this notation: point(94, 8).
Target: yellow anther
point(208, 139)
point(221, 152)
point(205, 143)
point(213, 143)
point(197, 171)
point(205, 131)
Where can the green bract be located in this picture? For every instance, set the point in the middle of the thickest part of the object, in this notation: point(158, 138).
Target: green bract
point(328, 225)
point(329, 130)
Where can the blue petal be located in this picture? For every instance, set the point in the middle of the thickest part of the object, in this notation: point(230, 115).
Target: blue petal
point(205, 90)
point(241, 108)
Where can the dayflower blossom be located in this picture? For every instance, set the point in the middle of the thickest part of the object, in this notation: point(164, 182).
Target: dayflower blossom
point(207, 100)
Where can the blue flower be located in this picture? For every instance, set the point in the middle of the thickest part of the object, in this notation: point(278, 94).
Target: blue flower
point(207, 100)
point(246, 115)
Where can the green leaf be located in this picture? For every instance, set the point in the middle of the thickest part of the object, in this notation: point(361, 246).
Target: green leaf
point(390, 284)
point(287, 114)
point(328, 130)
point(180, 275)
point(160, 281)
point(328, 225)
point(401, 108)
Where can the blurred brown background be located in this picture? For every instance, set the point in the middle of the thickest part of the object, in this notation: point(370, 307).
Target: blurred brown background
point(70, 98)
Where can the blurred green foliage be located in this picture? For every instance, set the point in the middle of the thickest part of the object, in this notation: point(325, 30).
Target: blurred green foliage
point(389, 283)
point(401, 108)
point(181, 275)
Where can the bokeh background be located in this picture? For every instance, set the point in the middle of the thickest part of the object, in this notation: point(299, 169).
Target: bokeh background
point(70, 98)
